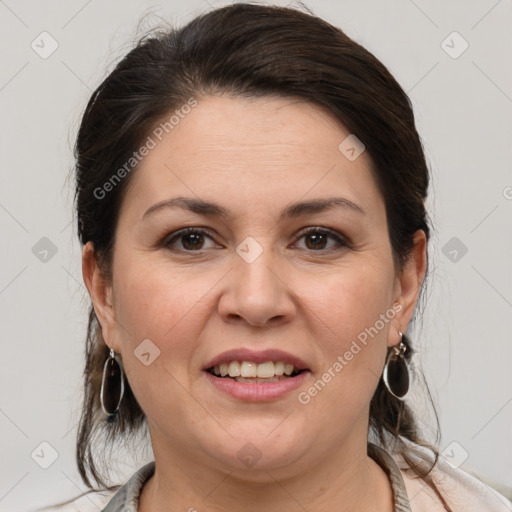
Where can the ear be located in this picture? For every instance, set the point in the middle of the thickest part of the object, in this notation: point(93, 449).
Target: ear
point(101, 295)
point(408, 287)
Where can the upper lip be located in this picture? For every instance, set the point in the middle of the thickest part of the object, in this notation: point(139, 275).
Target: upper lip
point(256, 356)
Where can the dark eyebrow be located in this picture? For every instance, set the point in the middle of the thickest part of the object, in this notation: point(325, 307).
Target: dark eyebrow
point(194, 205)
point(294, 210)
point(319, 205)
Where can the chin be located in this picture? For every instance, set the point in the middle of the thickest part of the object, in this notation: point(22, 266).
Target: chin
point(255, 450)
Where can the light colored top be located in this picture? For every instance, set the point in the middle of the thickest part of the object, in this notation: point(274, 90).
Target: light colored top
point(461, 491)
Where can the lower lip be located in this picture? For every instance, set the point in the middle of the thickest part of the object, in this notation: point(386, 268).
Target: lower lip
point(259, 391)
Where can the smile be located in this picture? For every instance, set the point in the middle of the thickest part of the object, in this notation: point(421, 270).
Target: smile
point(255, 376)
point(251, 372)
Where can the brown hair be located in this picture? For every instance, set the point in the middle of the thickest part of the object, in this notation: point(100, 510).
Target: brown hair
point(242, 50)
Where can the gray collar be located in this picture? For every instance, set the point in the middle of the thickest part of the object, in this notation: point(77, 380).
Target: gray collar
point(387, 463)
point(127, 497)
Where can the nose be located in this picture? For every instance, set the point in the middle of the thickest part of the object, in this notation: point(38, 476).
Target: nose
point(257, 293)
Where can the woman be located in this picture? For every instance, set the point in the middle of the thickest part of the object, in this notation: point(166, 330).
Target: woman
point(250, 196)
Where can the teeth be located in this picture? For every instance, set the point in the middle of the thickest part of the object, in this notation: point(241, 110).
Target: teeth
point(279, 368)
point(224, 369)
point(254, 371)
point(265, 370)
point(248, 369)
point(234, 369)
point(288, 369)
point(252, 381)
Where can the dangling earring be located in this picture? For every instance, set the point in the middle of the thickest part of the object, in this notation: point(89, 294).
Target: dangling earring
point(112, 386)
point(396, 374)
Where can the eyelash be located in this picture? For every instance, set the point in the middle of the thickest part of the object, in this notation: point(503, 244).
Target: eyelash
point(341, 242)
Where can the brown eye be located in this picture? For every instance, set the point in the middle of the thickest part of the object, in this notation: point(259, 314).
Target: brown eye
point(192, 241)
point(188, 240)
point(317, 240)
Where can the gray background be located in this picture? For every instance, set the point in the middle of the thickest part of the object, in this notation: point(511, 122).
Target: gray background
point(463, 107)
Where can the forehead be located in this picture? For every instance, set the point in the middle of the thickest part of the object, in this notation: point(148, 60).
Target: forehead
point(277, 127)
point(248, 150)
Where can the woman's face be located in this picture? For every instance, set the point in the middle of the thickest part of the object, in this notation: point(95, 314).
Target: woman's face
point(248, 178)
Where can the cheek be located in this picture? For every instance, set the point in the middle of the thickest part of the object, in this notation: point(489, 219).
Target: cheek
point(153, 298)
point(159, 303)
point(349, 303)
point(351, 321)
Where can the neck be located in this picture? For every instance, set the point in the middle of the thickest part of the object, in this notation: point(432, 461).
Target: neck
point(345, 480)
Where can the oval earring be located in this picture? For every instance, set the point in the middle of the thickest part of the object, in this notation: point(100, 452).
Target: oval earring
point(396, 374)
point(112, 386)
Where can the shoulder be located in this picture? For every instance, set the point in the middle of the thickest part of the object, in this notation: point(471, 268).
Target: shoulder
point(126, 499)
point(461, 491)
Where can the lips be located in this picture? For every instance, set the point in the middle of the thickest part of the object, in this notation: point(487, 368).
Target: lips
point(272, 374)
point(255, 389)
